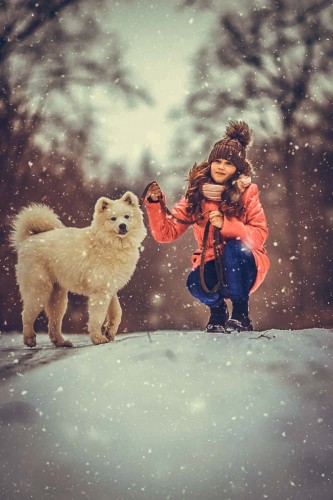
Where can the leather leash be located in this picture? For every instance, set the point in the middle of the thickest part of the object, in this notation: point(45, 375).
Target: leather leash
point(216, 244)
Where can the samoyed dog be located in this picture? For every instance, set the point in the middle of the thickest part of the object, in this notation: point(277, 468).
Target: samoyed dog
point(95, 261)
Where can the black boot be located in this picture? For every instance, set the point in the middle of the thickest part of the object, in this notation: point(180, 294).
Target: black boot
point(239, 321)
point(218, 318)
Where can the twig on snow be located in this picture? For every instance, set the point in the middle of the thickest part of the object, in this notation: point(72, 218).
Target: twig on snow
point(263, 335)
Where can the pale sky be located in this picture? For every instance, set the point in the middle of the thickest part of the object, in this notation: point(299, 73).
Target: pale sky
point(159, 43)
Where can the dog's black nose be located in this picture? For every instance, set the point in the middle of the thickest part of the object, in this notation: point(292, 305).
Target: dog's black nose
point(122, 229)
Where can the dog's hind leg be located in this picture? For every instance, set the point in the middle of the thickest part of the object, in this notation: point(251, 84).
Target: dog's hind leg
point(55, 309)
point(113, 318)
point(98, 305)
point(31, 309)
point(33, 304)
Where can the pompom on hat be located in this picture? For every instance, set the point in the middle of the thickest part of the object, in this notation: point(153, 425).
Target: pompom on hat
point(232, 147)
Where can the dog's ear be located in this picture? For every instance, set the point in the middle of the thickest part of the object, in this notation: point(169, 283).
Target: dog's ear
point(102, 204)
point(130, 199)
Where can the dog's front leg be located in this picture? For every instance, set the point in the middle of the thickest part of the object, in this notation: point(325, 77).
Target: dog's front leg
point(113, 318)
point(98, 305)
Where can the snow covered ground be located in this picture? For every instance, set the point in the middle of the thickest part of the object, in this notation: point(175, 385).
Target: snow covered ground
point(169, 415)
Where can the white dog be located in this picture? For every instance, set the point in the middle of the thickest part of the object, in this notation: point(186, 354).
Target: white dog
point(95, 261)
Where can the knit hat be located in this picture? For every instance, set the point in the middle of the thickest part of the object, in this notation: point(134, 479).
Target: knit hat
point(233, 146)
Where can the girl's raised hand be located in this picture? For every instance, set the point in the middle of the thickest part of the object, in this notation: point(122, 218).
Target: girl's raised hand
point(154, 192)
point(216, 218)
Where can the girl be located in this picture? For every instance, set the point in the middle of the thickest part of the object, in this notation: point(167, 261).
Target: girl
point(220, 190)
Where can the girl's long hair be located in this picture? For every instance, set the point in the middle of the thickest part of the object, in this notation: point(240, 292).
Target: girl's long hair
point(231, 203)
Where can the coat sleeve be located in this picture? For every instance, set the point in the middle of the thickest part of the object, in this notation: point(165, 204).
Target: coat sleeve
point(253, 231)
point(163, 228)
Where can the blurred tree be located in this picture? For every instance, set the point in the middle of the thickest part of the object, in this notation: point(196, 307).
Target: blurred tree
point(271, 64)
point(57, 57)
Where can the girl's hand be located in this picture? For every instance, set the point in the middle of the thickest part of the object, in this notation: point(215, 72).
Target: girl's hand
point(154, 192)
point(243, 182)
point(216, 218)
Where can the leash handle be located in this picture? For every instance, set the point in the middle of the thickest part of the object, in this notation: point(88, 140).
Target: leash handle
point(165, 208)
point(144, 194)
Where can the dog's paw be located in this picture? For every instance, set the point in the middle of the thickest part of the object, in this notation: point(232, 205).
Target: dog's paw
point(99, 339)
point(109, 330)
point(63, 343)
point(110, 335)
point(30, 341)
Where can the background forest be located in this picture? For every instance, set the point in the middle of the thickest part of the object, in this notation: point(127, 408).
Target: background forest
point(63, 64)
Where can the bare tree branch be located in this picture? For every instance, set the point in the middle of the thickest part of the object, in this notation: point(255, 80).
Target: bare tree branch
point(40, 14)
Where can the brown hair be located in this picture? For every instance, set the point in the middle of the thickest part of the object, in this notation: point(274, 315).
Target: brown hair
point(230, 205)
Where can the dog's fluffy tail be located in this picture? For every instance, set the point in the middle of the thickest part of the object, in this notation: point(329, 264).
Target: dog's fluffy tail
point(35, 218)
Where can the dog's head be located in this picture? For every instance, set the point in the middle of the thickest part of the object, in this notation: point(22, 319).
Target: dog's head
point(120, 217)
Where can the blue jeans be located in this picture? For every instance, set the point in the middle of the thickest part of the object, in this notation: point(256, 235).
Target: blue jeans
point(239, 275)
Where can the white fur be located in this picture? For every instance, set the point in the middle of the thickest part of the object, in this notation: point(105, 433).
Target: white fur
point(95, 261)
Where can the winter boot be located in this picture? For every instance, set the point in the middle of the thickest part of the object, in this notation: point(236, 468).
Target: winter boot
point(218, 318)
point(239, 321)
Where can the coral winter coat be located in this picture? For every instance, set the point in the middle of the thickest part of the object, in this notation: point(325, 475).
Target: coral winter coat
point(251, 229)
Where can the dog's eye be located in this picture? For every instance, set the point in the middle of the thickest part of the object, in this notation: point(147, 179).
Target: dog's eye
point(113, 218)
point(126, 216)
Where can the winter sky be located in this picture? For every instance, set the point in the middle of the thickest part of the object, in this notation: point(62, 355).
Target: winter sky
point(159, 42)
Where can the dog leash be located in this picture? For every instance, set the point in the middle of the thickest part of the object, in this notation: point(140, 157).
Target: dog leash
point(216, 243)
point(165, 208)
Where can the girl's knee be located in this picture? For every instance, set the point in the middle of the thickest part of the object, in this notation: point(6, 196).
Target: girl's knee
point(191, 280)
point(194, 287)
point(192, 284)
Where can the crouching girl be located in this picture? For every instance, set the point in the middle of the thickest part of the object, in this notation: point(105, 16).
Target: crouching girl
point(220, 190)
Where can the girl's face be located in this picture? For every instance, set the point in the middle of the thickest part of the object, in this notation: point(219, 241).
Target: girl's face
point(221, 170)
